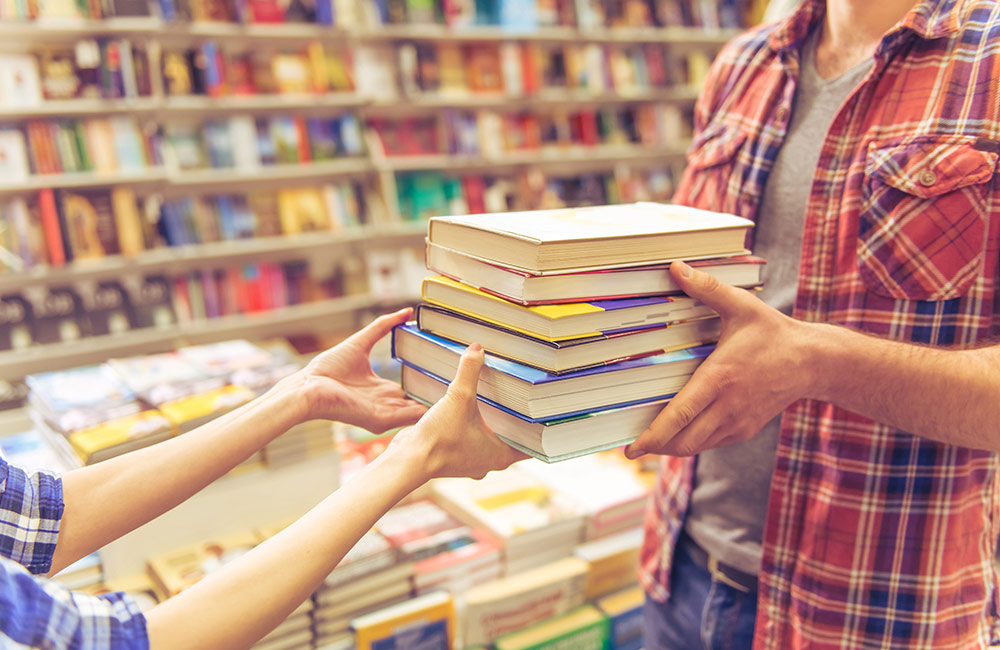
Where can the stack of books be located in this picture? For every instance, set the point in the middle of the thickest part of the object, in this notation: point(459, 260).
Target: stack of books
point(371, 577)
point(536, 524)
point(585, 333)
point(446, 554)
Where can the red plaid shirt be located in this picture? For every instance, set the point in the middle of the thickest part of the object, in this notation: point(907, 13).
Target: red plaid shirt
point(874, 538)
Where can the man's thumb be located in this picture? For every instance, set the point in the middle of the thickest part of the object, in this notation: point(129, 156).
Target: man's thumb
point(707, 288)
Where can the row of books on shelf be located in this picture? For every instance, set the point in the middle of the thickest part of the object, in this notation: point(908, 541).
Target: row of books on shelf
point(491, 134)
point(515, 15)
point(57, 227)
point(421, 195)
point(66, 313)
point(102, 145)
point(94, 68)
point(586, 337)
point(246, 144)
point(115, 69)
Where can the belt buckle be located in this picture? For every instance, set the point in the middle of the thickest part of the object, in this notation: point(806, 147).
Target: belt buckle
point(718, 574)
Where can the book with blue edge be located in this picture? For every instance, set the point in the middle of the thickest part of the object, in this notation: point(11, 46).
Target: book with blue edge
point(538, 394)
point(550, 440)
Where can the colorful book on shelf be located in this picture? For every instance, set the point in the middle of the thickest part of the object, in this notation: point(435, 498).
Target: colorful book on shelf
point(120, 436)
point(78, 398)
point(514, 602)
point(546, 240)
point(175, 571)
point(562, 356)
point(538, 394)
point(624, 610)
point(585, 628)
point(426, 622)
point(562, 321)
point(613, 562)
point(551, 440)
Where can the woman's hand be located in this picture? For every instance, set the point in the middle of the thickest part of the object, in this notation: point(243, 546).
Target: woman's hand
point(451, 439)
point(339, 384)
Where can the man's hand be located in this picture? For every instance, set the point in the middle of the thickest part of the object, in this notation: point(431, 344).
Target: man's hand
point(452, 438)
point(755, 372)
point(339, 384)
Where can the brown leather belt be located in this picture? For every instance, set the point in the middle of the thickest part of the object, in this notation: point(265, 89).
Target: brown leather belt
point(741, 580)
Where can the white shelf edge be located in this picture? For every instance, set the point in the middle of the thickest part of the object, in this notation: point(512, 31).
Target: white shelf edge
point(16, 364)
point(72, 180)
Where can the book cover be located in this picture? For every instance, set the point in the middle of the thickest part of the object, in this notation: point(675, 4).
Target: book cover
point(94, 391)
point(175, 571)
point(572, 238)
point(625, 617)
point(426, 622)
point(20, 83)
point(584, 628)
point(120, 436)
point(515, 602)
point(14, 166)
point(89, 222)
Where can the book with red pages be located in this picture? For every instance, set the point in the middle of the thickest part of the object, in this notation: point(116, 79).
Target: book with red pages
point(567, 355)
point(564, 320)
point(568, 238)
point(538, 394)
point(601, 283)
point(549, 440)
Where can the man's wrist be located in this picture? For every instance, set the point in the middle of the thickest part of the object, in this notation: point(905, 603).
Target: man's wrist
point(294, 395)
point(823, 348)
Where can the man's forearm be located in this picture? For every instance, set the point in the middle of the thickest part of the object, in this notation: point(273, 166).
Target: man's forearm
point(952, 396)
point(109, 499)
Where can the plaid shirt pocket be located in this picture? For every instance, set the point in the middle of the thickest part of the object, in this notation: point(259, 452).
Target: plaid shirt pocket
point(923, 219)
point(720, 171)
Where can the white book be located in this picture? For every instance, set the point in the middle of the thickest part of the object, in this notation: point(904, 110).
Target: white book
point(13, 156)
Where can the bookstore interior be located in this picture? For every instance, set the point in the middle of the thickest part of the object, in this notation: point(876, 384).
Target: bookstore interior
point(196, 196)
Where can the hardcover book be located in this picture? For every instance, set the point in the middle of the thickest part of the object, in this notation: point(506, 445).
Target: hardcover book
point(539, 394)
point(584, 628)
point(562, 321)
point(546, 240)
point(532, 288)
point(548, 440)
point(426, 622)
point(560, 357)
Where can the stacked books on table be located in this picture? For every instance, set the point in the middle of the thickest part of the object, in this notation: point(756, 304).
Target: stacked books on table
point(586, 334)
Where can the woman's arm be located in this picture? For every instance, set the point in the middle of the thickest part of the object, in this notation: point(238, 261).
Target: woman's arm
point(107, 500)
point(239, 603)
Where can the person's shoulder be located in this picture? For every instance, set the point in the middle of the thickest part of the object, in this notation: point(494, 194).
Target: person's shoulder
point(977, 17)
point(747, 54)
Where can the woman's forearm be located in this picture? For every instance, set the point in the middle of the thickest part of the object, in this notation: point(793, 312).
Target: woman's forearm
point(251, 595)
point(107, 500)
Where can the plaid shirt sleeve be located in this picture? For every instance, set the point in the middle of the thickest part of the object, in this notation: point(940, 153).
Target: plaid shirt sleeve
point(30, 509)
point(40, 613)
point(35, 612)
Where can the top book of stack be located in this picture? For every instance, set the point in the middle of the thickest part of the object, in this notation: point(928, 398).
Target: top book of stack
point(607, 236)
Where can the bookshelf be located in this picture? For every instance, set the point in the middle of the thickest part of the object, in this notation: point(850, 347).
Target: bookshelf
point(384, 95)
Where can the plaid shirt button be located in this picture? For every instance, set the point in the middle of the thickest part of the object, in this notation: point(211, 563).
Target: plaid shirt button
point(927, 178)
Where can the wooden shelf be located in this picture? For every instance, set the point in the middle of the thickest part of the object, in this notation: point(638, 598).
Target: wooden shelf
point(315, 316)
point(268, 175)
point(197, 105)
point(575, 158)
point(81, 108)
point(688, 35)
point(181, 258)
point(152, 176)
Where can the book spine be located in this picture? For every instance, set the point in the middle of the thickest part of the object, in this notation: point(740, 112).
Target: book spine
point(50, 226)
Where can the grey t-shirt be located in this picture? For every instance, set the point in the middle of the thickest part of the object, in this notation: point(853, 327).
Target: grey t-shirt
point(729, 501)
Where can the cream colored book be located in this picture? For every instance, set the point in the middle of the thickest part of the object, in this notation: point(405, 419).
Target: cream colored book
point(545, 240)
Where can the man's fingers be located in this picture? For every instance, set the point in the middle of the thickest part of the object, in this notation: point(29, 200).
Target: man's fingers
point(374, 331)
point(679, 412)
point(467, 378)
point(723, 298)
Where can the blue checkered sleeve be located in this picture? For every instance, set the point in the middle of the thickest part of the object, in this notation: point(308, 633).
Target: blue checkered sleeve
point(31, 506)
point(40, 613)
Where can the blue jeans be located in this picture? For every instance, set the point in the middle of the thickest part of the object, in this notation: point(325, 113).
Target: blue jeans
point(701, 613)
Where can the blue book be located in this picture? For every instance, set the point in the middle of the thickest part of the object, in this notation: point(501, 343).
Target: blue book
point(325, 12)
point(539, 396)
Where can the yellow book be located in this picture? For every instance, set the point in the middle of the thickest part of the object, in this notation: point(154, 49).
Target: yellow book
point(563, 321)
point(425, 622)
point(302, 210)
point(175, 571)
point(190, 412)
point(131, 239)
point(121, 435)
